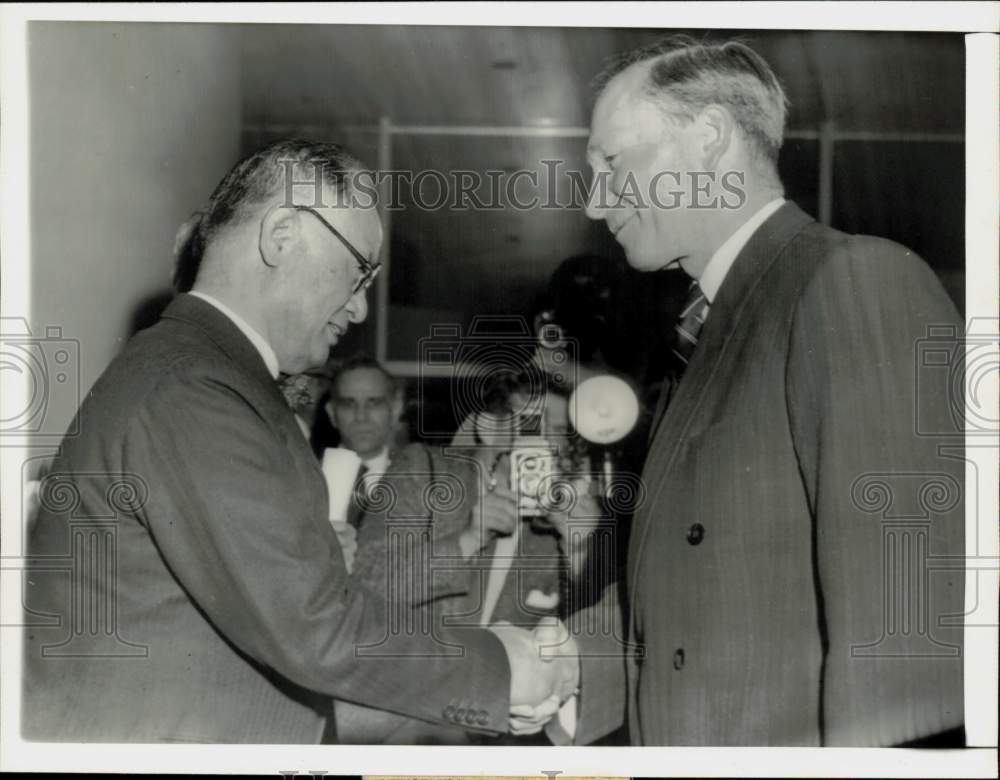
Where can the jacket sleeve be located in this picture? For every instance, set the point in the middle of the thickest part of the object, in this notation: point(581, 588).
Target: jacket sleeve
point(456, 492)
point(225, 513)
point(408, 543)
point(884, 484)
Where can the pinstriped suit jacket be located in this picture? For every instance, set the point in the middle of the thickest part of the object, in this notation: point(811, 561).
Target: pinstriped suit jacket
point(786, 573)
point(207, 600)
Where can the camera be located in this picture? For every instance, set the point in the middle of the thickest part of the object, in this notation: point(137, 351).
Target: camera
point(470, 361)
point(50, 367)
point(532, 462)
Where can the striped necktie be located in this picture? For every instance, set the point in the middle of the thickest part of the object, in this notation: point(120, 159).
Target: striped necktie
point(688, 325)
point(686, 331)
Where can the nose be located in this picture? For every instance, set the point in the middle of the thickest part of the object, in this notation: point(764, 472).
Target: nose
point(597, 198)
point(357, 307)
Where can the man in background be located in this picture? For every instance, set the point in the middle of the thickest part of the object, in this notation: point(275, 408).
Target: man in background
point(219, 609)
point(761, 575)
point(364, 406)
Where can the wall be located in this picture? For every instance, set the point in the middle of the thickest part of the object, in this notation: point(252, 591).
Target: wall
point(132, 125)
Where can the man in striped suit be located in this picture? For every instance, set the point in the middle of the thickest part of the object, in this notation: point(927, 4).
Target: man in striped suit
point(760, 565)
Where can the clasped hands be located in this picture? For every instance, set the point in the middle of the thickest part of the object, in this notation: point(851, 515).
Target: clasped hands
point(544, 672)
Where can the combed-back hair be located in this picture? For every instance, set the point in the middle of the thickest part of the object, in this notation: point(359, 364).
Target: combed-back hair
point(686, 75)
point(255, 180)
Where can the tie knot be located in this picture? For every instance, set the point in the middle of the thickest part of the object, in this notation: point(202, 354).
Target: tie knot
point(689, 322)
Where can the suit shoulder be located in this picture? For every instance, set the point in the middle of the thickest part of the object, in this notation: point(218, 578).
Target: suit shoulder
point(854, 273)
point(833, 265)
point(155, 362)
point(410, 456)
point(174, 350)
point(837, 252)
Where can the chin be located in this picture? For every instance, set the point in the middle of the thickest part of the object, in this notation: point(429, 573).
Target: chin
point(645, 258)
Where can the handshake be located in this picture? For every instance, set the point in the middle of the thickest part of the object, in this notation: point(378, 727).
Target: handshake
point(544, 672)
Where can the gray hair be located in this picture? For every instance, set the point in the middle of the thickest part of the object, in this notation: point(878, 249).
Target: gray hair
point(685, 76)
point(253, 181)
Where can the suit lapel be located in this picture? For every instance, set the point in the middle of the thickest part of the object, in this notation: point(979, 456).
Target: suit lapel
point(729, 306)
point(222, 332)
point(261, 391)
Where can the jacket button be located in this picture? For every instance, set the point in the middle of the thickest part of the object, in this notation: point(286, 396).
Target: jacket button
point(460, 714)
point(449, 711)
point(679, 658)
point(471, 716)
point(695, 534)
point(484, 718)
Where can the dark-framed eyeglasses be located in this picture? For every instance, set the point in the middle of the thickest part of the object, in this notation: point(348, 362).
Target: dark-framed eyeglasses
point(368, 271)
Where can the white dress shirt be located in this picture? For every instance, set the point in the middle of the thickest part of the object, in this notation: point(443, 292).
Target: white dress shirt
point(258, 341)
point(720, 262)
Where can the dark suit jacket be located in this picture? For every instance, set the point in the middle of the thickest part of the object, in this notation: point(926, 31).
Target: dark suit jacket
point(789, 575)
point(191, 587)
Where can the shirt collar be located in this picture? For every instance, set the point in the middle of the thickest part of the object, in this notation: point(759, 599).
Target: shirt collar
point(259, 342)
point(720, 263)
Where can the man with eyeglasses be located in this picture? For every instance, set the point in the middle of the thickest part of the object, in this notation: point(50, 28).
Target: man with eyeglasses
point(221, 609)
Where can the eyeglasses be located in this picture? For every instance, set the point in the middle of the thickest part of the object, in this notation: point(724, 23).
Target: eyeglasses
point(368, 271)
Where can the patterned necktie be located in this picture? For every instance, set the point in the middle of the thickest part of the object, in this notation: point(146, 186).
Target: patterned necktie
point(686, 331)
point(355, 510)
point(689, 324)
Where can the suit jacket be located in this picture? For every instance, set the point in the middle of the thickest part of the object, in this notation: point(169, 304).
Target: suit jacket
point(789, 572)
point(408, 553)
point(186, 584)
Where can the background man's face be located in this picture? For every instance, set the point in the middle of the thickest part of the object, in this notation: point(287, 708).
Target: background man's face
point(365, 410)
point(639, 154)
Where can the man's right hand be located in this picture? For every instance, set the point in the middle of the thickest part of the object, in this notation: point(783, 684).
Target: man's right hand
point(495, 513)
point(552, 641)
point(535, 677)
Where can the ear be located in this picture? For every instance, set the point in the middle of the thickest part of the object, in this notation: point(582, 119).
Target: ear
point(280, 234)
point(397, 405)
point(715, 126)
point(328, 408)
